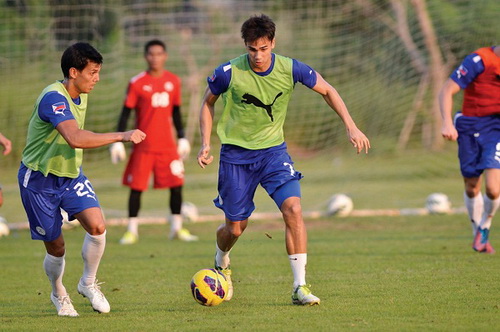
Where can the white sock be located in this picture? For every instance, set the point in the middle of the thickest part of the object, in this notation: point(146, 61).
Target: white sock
point(175, 223)
point(298, 263)
point(475, 207)
point(221, 257)
point(54, 268)
point(133, 225)
point(92, 251)
point(490, 207)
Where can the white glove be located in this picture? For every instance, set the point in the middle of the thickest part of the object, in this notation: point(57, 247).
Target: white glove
point(117, 151)
point(183, 148)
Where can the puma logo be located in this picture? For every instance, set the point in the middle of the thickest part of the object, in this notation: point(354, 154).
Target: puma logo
point(250, 99)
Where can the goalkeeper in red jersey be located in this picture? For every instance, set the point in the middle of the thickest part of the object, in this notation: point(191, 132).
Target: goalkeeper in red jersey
point(477, 130)
point(155, 95)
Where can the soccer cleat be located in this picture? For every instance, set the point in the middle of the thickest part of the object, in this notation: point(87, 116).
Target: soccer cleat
point(183, 235)
point(303, 296)
point(227, 273)
point(489, 249)
point(63, 305)
point(481, 243)
point(129, 238)
point(95, 296)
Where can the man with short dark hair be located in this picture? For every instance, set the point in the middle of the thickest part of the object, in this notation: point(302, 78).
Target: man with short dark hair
point(50, 177)
point(256, 88)
point(155, 94)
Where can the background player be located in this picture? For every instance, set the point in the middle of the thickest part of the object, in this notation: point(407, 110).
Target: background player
point(256, 88)
point(50, 176)
point(477, 130)
point(7, 147)
point(155, 95)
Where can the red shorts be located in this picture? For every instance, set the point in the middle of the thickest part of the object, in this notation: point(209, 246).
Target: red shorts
point(167, 168)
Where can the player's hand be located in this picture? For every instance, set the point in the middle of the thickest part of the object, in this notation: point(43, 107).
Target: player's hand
point(6, 143)
point(358, 140)
point(135, 136)
point(449, 132)
point(183, 148)
point(204, 157)
point(117, 151)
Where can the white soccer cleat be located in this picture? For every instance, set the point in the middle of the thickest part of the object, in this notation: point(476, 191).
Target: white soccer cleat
point(303, 296)
point(129, 238)
point(183, 235)
point(63, 305)
point(95, 296)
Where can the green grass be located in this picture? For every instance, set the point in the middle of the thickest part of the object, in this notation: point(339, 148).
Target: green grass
point(402, 273)
point(374, 181)
point(371, 273)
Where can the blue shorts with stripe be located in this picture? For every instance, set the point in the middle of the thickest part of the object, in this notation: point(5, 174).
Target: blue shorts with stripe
point(43, 198)
point(478, 143)
point(237, 183)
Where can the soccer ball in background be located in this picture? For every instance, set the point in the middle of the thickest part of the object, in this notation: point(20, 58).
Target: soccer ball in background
point(339, 205)
point(67, 224)
point(189, 211)
point(209, 287)
point(4, 227)
point(438, 203)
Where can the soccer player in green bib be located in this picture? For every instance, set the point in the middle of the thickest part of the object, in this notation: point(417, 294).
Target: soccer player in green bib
point(50, 176)
point(256, 88)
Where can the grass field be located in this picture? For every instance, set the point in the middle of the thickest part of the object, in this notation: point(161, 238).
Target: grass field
point(371, 273)
point(402, 273)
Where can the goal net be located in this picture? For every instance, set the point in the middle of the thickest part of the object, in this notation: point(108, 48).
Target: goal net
point(375, 53)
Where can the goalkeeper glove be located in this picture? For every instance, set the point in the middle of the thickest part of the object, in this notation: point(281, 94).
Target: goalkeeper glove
point(117, 151)
point(183, 147)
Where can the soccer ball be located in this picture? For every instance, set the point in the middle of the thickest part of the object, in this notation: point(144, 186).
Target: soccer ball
point(4, 228)
point(67, 224)
point(189, 211)
point(339, 205)
point(438, 203)
point(209, 287)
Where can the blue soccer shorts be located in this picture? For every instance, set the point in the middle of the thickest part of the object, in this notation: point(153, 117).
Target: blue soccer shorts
point(478, 143)
point(237, 183)
point(43, 197)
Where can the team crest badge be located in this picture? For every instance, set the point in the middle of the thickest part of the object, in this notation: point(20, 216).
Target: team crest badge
point(59, 108)
point(169, 86)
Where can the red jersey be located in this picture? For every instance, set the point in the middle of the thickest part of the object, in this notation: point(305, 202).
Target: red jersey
point(153, 99)
point(482, 96)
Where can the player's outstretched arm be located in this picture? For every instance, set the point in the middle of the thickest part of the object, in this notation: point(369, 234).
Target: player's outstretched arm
point(85, 139)
point(448, 130)
point(6, 143)
point(333, 99)
point(206, 121)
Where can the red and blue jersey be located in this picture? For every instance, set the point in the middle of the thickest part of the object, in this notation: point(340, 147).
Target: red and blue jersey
point(479, 76)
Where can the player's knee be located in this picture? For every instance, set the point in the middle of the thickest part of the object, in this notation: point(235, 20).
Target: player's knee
point(235, 229)
point(291, 208)
point(492, 192)
point(97, 229)
point(472, 191)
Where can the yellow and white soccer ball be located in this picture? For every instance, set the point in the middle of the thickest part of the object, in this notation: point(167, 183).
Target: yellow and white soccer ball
point(438, 203)
point(189, 211)
point(209, 287)
point(4, 227)
point(340, 205)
